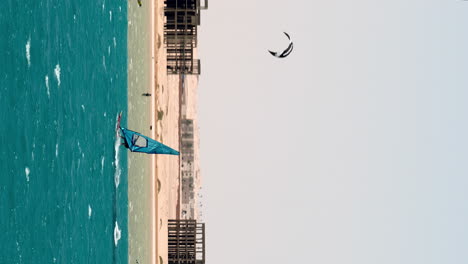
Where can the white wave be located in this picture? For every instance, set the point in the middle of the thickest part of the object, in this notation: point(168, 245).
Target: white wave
point(110, 15)
point(118, 171)
point(108, 50)
point(104, 62)
point(115, 42)
point(102, 164)
point(32, 152)
point(83, 107)
point(90, 211)
point(117, 233)
point(47, 85)
point(27, 171)
point(56, 149)
point(105, 114)
point(28, 49)
point(57, 73)
point(79, 147)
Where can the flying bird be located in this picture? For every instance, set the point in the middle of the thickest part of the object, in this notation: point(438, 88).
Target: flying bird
point(286, 52)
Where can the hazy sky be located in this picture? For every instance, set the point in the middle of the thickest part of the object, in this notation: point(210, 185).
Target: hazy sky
point(354, 149)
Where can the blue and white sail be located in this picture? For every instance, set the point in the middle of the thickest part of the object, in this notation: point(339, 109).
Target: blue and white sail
point(139, 143)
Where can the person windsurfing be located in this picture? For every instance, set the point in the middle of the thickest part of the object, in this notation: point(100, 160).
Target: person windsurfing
point(137, 142)
point(124, 143)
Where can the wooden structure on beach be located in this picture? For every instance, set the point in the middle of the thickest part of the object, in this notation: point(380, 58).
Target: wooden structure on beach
point(180, 35)
point(187, 169)
point(186, 242)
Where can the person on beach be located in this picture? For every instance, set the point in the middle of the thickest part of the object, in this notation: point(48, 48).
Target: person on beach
point(139, 2)
point(146, 94)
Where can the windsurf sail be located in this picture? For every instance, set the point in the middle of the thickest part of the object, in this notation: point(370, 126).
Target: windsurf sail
point(137, 142)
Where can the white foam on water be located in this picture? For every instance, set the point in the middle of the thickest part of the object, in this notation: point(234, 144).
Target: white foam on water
point(104, 62)
point(83, 107)
point(115, 43)
point(47, 85)
point(74, 17)
point(90, 211)
point(105, 114)
point(110, 15)
point(79, 146)
point(28, 49)
point(117, 234)
point(108, 50)
point(32, 152)
point(27, 171)
point(56, 149)
point(118, 171)
point(102, 164)
point(57, 73)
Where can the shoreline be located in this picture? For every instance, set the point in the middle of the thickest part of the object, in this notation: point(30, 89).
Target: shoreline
point(154, 197)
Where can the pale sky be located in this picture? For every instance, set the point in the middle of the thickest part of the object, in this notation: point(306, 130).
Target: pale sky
point(353, 150)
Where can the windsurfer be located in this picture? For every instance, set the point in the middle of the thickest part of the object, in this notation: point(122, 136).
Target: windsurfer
point(124, 143)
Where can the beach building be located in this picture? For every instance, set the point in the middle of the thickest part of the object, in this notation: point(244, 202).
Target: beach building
point(180, 35)
point(186, 242)
point(187, 169)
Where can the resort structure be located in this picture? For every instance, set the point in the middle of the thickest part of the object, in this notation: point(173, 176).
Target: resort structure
point(187, 169)
point(180, 35)
point(186, 242)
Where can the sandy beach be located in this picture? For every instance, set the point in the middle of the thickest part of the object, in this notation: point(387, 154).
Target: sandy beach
point(153, 179)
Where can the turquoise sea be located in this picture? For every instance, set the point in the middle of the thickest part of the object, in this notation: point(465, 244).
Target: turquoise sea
point(63, 177)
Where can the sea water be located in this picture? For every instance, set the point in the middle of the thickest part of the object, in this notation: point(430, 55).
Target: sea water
point(63, 176)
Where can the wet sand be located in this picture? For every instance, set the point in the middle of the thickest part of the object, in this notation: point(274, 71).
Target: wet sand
point(139, 119)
